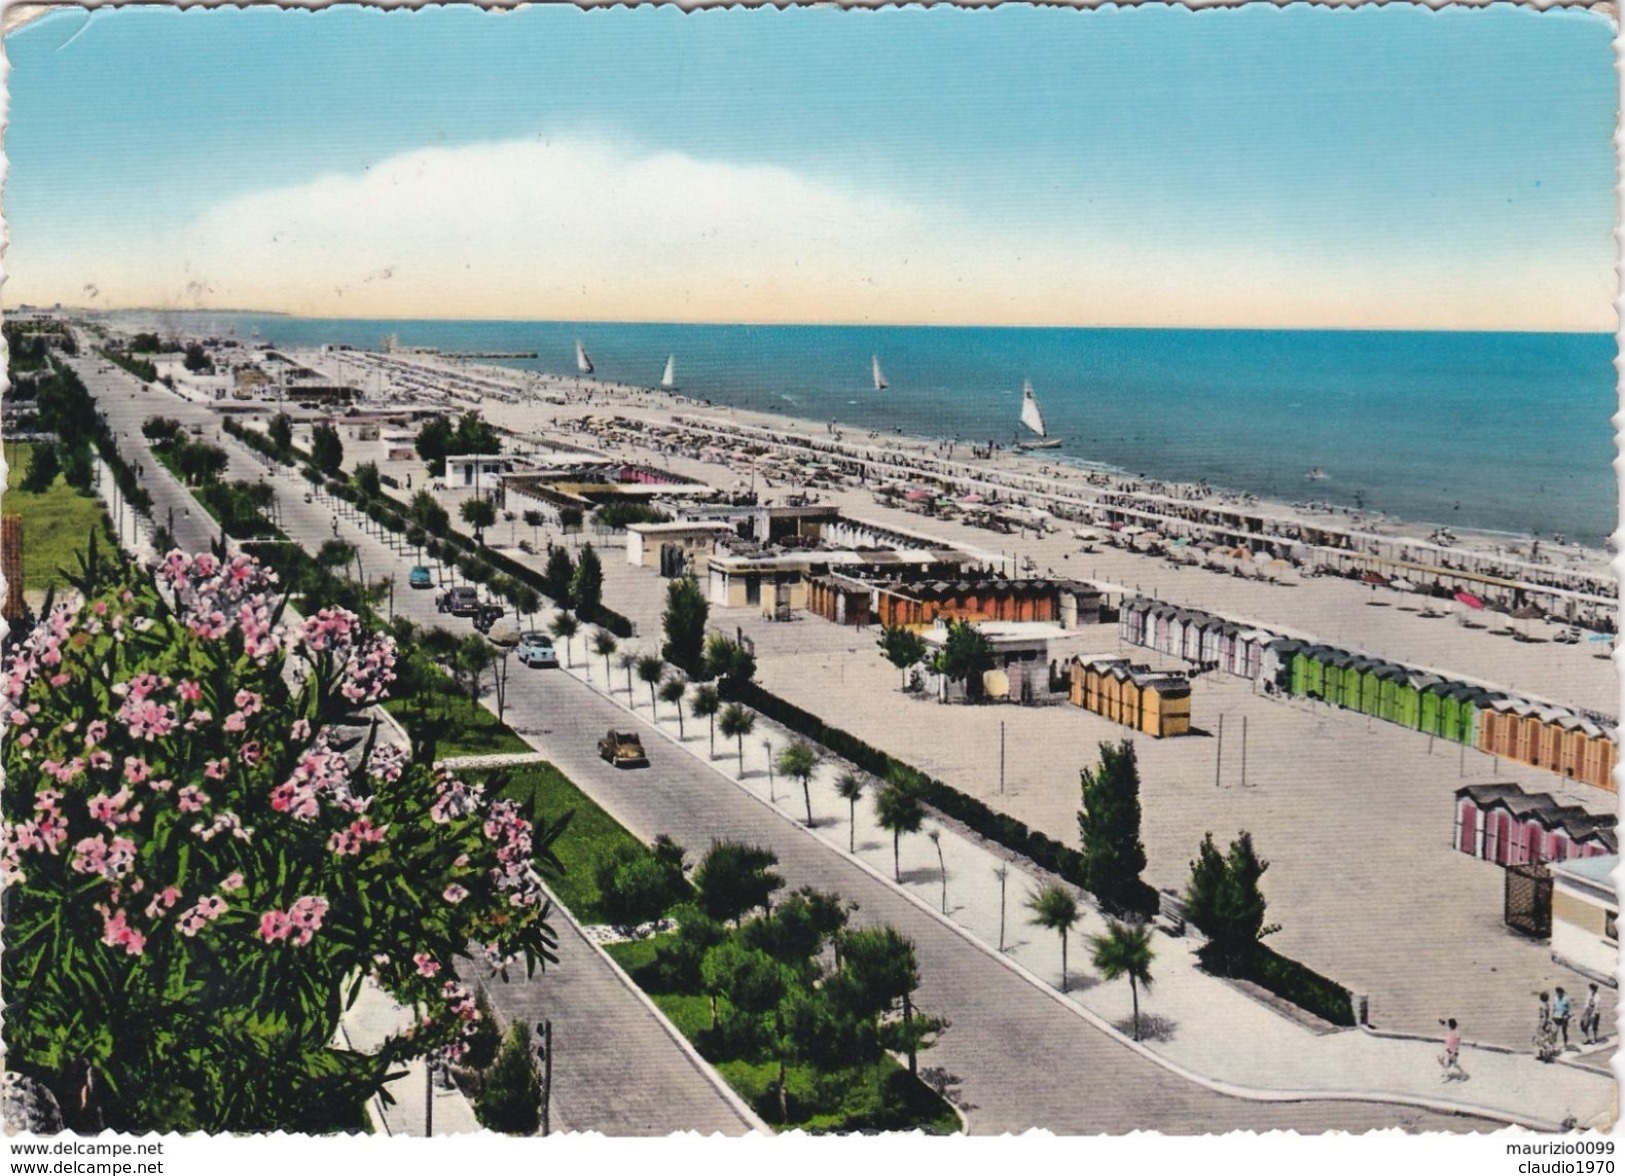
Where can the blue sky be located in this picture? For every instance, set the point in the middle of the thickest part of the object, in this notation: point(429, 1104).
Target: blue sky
point(1390, 167)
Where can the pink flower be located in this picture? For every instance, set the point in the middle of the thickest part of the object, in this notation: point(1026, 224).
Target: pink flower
point(427, 967)
point(116, 932)
point(95, 732)
point(248, 702)
point(454, 894)
point(60, 680)
point(100, 761)
point(300, 731)
point(215, 769)
point(251, 753)
point(275, 925)
point(190, 692)
point(191, 799)
point(235, 723)
point(136, 769)
point(234, 881)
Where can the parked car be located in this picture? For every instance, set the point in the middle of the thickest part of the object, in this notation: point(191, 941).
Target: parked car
point(420, 577)
point(488, 614)
point(462, 601)
point(536, 649)
point(623, 749)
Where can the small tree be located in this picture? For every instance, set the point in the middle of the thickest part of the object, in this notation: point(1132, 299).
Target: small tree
point(427, 513)
point(1223, 900)
point(280, 430)
point(434, 443)
point(650, 670)
point(197, 360)
point(1055, 909)
point(526, 601)
point(673, 690)
point(43, 467)
point(637, 887)
point(737, 722)
point(849, 787)
point(903, 647)
point(627, 660)
point(474, 656)
point(799, 760)
point(326, 450)
point(733, 879)
point(966, 655)
point(558, 576)
point(727, 659)
point(1109, 824)
point(510, 1100)
point(684, 624)
point(1125, 951)
point(899, 811)
point(368, 480)
point(942, 866)
point(604, 644)
point(565, 627)
point(587, 586)
point(534, 520)
point(705, 704)
point(479, 514)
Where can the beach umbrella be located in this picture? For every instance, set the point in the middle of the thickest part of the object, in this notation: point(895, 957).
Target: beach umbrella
point(917, 495)
point(1402, 585)
point(1261, 557)
point(1372, 578)
point(1600, 637)
point(1469, 600)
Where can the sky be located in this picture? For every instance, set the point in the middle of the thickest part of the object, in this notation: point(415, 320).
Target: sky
point(1306, 167)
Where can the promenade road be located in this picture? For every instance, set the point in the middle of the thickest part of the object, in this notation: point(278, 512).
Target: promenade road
point(1020, 1059)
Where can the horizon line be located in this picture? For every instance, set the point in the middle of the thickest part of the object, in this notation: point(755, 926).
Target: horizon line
point(962, 326)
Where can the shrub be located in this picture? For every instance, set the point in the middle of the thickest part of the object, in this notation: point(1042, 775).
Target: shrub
point(510, 1099)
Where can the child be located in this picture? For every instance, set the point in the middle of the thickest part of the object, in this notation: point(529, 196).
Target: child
point(1591, 1018)
point(1450, 1060)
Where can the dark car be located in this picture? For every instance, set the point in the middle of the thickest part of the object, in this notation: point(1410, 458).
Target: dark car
point(462, 601)
point(623, 749)
point(486, 615)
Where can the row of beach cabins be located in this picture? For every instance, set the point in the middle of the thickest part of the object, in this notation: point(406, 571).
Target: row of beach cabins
point(1543, 735)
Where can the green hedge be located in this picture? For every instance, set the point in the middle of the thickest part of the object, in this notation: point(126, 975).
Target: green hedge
point(1302, 985)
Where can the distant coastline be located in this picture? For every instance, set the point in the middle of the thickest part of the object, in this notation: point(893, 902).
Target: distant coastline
point(1497, 432)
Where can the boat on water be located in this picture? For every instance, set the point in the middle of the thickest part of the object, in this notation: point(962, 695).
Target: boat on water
point(1033, 418)
point(880, 380)
point(583, 360)
point(1317, 475)
point(668, 381)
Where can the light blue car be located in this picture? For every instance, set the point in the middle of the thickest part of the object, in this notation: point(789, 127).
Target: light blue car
point(536, 649)
point(420, 577)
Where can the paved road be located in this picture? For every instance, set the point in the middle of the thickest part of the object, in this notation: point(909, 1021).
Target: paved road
point(618, 1069)
point(1020, 1059)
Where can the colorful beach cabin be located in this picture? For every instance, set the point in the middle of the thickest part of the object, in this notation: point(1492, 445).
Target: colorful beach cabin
point(1500, 822)
point(1155, 704)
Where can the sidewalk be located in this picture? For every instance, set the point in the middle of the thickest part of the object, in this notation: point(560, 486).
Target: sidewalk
point(373, 1017)
point(1195, 1024)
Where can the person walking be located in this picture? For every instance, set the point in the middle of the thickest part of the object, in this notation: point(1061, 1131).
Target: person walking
point(1450, 1060)
point(1591, 1018)
point(1562, 1010)
point(1545, 1033)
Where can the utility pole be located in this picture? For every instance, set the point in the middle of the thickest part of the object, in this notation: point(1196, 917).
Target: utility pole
point(1218, 757)
point(428, 1098)
point(545, 1031)
point(1001, 757)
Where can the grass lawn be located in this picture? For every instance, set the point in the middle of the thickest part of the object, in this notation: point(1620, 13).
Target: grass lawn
point(855, 1105)
point(471, 729)
point(56, 524)
point(592, 836)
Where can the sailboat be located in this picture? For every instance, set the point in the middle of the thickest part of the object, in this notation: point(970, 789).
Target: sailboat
point(1033, 418)
point(669, 380)
point(583, 360)
point(880, 379)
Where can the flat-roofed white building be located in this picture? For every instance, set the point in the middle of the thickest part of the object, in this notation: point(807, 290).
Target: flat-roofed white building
point(1585, 917)
point(695, 540)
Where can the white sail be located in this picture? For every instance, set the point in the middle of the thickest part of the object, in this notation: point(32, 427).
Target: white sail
point(583, 360)
point(669, 380)
point(1030, 416)
point(880, 380)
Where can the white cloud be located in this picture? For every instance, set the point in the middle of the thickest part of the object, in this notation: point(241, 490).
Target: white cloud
point(573, 229)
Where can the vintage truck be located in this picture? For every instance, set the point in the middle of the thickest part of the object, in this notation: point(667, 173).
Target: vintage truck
point(623, 749)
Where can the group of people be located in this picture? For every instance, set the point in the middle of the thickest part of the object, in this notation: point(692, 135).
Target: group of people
point(1555, 1015)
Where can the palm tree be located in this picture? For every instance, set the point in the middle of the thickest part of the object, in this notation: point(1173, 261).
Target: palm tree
point(1002, 873)
point(1125, 951)
point(626, 661)
point(1056, 909)
point(672, 690)
point(798, 760)
point(849, 786)
point(564, 627)
point(898, 811)
point(705, 704)
point(604, 644)
point(650, 670)
point(737, 722)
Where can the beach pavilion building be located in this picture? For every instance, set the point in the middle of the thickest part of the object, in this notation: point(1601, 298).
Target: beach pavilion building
point(1585, 917)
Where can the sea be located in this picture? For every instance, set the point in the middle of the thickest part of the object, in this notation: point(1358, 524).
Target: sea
point(1498, 432)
